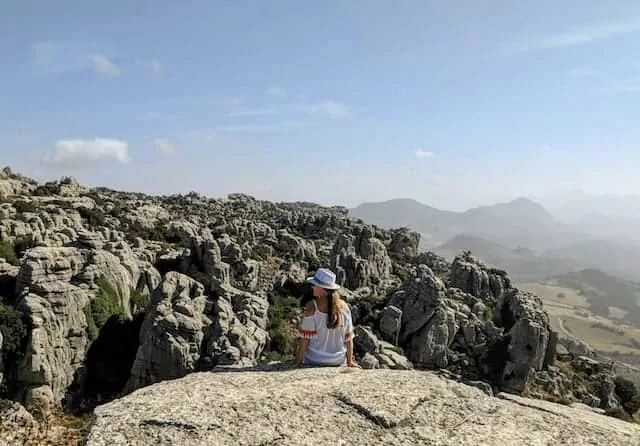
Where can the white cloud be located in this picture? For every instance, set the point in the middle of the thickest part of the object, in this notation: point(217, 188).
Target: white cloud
point(264, 127)
point(79, 152)
point(422, 154)
point(101, 64)
point(276, 91)
point(330, 109)
point(572, 37)
point(164, 146)
point(589, 34)
point(255, 112)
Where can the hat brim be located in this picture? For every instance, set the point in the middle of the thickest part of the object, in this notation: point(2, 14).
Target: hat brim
point(326, 286)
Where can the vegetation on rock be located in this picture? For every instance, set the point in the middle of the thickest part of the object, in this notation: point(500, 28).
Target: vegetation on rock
point(105, 304)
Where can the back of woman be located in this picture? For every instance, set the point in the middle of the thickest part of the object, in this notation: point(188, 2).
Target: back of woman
point(326, 345)
point(326, 331)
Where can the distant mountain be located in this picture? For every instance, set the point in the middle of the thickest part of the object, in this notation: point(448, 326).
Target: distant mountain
point(523, 264)
point(615, 257)
point(520, 236)
point(521, 222)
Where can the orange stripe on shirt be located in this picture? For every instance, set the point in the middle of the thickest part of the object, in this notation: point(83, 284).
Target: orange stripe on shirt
point(307, 333)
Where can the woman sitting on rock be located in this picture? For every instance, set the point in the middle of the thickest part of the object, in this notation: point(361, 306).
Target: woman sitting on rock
point(326, 332)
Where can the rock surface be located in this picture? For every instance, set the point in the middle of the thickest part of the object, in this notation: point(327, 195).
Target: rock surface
point(342, 407)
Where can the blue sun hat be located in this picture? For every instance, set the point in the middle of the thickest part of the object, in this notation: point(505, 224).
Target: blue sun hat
point(324, 278)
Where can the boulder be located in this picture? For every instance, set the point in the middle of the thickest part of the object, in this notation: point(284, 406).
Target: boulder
point(185, 330)
point(341, 407)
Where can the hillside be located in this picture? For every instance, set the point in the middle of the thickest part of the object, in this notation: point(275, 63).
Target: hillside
point(603, 291)
point(520, 236)
point(523, 264)
point(106, 293)
point(520, 222)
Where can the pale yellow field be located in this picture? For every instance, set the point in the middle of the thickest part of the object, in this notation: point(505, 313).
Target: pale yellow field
point(570, 317)
point(551, 293)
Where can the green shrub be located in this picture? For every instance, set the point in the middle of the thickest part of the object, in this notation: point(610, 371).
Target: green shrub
point(628, 394)
point(94, 217)
point(105, 304)
point(139, 302)
point(161, 232)
point(13, 330)
point(282, 314)
point(21, 244)
point(488, 313)
point(8, 253)
point(22, 206)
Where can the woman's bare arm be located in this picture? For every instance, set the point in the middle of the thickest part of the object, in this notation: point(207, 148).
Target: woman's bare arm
point(303, 344)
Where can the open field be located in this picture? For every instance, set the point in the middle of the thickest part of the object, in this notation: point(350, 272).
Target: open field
point(571, 318)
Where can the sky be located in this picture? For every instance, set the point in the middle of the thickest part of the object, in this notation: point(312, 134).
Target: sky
point(455, 104)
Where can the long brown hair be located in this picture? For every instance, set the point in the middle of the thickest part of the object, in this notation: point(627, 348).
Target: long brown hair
point(334, 313)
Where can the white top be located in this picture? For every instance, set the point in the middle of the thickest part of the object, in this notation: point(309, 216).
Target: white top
point(327, 345)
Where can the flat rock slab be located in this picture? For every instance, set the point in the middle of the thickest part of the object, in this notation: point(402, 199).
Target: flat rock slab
point(342, 407)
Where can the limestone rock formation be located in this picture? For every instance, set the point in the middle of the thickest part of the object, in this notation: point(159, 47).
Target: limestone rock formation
point(184, 283)
point(342, 407)
point(185, 330)
point(55, 286)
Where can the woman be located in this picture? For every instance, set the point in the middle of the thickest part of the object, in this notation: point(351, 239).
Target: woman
point(326, 332)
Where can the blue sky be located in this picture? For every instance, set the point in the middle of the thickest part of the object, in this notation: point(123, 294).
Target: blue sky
point(455, 103)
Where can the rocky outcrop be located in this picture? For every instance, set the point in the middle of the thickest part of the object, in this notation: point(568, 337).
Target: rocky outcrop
point(347, 407)
point(55, 286)
point(375, 354)
point(361, 261)
point(189, 278)
point(456, 327)
point(186, 330)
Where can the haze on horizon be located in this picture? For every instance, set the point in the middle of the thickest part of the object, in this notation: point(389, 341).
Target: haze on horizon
point(455, 104)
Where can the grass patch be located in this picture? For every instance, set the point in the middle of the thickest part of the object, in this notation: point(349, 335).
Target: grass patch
point(105, 304)
point(8, 253)
point(283, 315)
point(139, 302)
point(12, 252)
point(161, 232)
point(94, 217)
point(22, 206)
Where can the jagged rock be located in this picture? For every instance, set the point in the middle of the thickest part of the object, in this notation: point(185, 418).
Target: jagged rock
point(347, 407)
point(185, 331)
point(527, 327)
point(404, 244)
point(57, 341)
point(13, 415)
point(439, 265)
point(577, 347)
point(390, 323)
point(361, 261)
point(368, 361)
point(587, 365)
point(238, 334)
point(54, 286)
point(469, 277)
point(172, 332)
point(376, 353)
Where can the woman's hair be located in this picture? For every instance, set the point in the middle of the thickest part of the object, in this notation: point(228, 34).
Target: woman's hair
point(334, 316)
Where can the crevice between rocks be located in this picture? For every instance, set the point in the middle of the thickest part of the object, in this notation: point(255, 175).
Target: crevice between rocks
point(378, 420)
